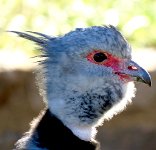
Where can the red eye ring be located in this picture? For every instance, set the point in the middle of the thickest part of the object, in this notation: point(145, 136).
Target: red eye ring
point(97, 57)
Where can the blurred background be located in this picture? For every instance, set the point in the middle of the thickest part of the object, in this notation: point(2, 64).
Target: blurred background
point(20, 102)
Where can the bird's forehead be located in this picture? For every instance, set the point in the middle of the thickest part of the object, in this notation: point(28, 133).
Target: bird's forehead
point(107, 38)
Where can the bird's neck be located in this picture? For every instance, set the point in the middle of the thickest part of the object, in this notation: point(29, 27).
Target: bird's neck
point(52, 134)
point(86, 133)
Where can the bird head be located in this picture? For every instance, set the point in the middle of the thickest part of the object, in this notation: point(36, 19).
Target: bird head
point(87, 73)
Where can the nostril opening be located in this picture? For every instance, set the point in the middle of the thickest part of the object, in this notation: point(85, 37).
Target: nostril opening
point(132, 68)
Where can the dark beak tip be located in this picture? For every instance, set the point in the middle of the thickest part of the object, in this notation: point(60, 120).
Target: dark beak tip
point(140, 74)
point(145, 78)
point(148, 80)
point(150, 83)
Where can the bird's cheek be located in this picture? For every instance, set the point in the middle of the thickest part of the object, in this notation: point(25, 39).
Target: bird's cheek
point(118, 69)
point(124, 77)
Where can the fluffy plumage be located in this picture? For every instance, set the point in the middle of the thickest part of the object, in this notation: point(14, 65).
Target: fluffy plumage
point(79, 92)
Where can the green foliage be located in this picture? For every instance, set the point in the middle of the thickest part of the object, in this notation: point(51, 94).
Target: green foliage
point(135, 18)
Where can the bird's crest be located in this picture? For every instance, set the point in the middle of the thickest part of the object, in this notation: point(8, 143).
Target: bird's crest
point(40, 39)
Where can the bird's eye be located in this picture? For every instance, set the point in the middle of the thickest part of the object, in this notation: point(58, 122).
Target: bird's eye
point(99, 57)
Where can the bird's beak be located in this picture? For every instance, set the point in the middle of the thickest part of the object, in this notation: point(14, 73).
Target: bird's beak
point(137, 73)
